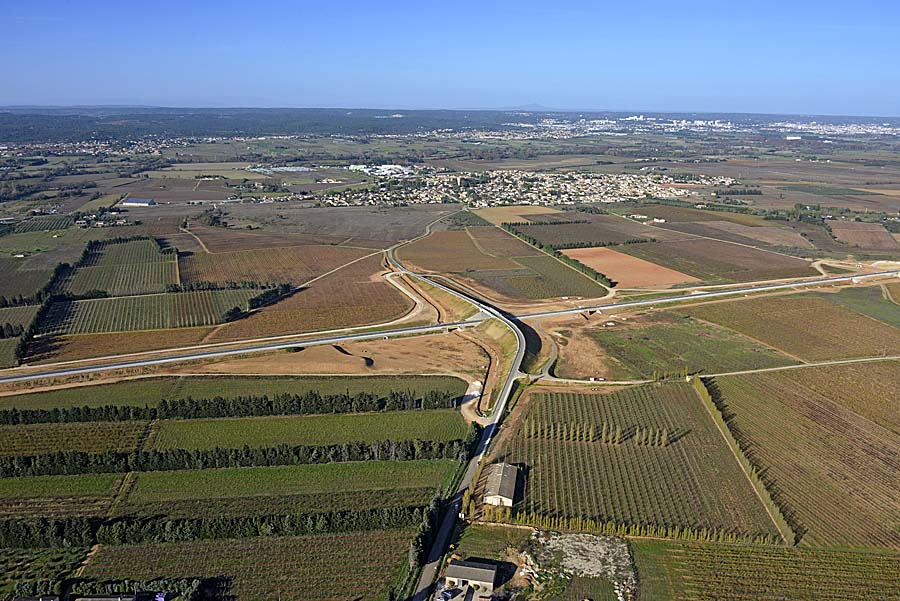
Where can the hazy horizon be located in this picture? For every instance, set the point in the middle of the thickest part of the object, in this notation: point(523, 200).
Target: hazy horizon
point(807, 58)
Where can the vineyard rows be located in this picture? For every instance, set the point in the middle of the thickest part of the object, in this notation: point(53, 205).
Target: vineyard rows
point(706, 572)
point(836, 473)
point(122, 268)
point(693, 482)
point(151, 312)
point(324, 567)
point(120, 280)
point(87, 437)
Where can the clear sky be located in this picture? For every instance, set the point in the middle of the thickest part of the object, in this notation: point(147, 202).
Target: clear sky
point(790, 56)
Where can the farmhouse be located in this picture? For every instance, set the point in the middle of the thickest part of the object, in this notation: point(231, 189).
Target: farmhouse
point(473, 575)
point(500, 488)
point(138, 202)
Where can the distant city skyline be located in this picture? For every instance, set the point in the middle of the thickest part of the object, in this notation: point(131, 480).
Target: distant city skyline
point(801, 57)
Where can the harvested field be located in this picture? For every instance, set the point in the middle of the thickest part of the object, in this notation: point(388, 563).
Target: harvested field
point(671, 213)
point(222, 240)
point(149, 391)
point(499, 243)
point(669, 345)
point(331, 567)
point(835, 473)
point(715, 261)
point(691, 571)
point(437, 425)
point(151, 312)
point(599, 230)
point(370, 227)
point(498, 215)
point(772, 236)
point(871, 236)
point(420, 354)
point(810, 327)
point(628, 271)
point(354, 296)
point(576, 468)
point(84, 346)
point(453, 251)
point(86, 437)
point(295, 265)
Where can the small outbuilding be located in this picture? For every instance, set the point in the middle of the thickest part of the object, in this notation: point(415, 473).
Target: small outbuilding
point(500, 488)
point(474, 575)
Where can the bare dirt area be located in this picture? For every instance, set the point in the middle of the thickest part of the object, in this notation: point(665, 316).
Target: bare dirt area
point(773, 236)
point(498, 215)
point(220, 239)
point(580, 355)
point(628, 271)
point(86, 346)
point(434, 354)
point(863, 235)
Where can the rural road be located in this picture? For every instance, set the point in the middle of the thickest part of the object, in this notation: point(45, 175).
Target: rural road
point(240, 351)
point(713, 294)
point(432, 563)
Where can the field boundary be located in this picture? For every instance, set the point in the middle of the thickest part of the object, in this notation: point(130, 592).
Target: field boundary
point(788, 535)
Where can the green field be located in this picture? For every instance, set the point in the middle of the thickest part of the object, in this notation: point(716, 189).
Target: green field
point(335, 567)
point(372, 498)
point(150, 312)
point(29, 565)
point(87, 485)
point(288, 480)
point(149, 391)
point(681, 571)
point(439, 425)
point(87, 437)
point(869, 301)
point(588, 455)
point(490, 541)
point(679, 343)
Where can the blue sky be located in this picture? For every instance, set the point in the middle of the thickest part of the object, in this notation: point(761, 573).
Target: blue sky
point(774, 57)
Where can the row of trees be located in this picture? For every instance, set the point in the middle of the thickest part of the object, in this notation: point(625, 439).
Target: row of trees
point(11, 330)
point(186, 589)
point(611, 528)
point(554, 252)
point(307, 403)
point(78, 462)
point(84, 532)
point(205, 285)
